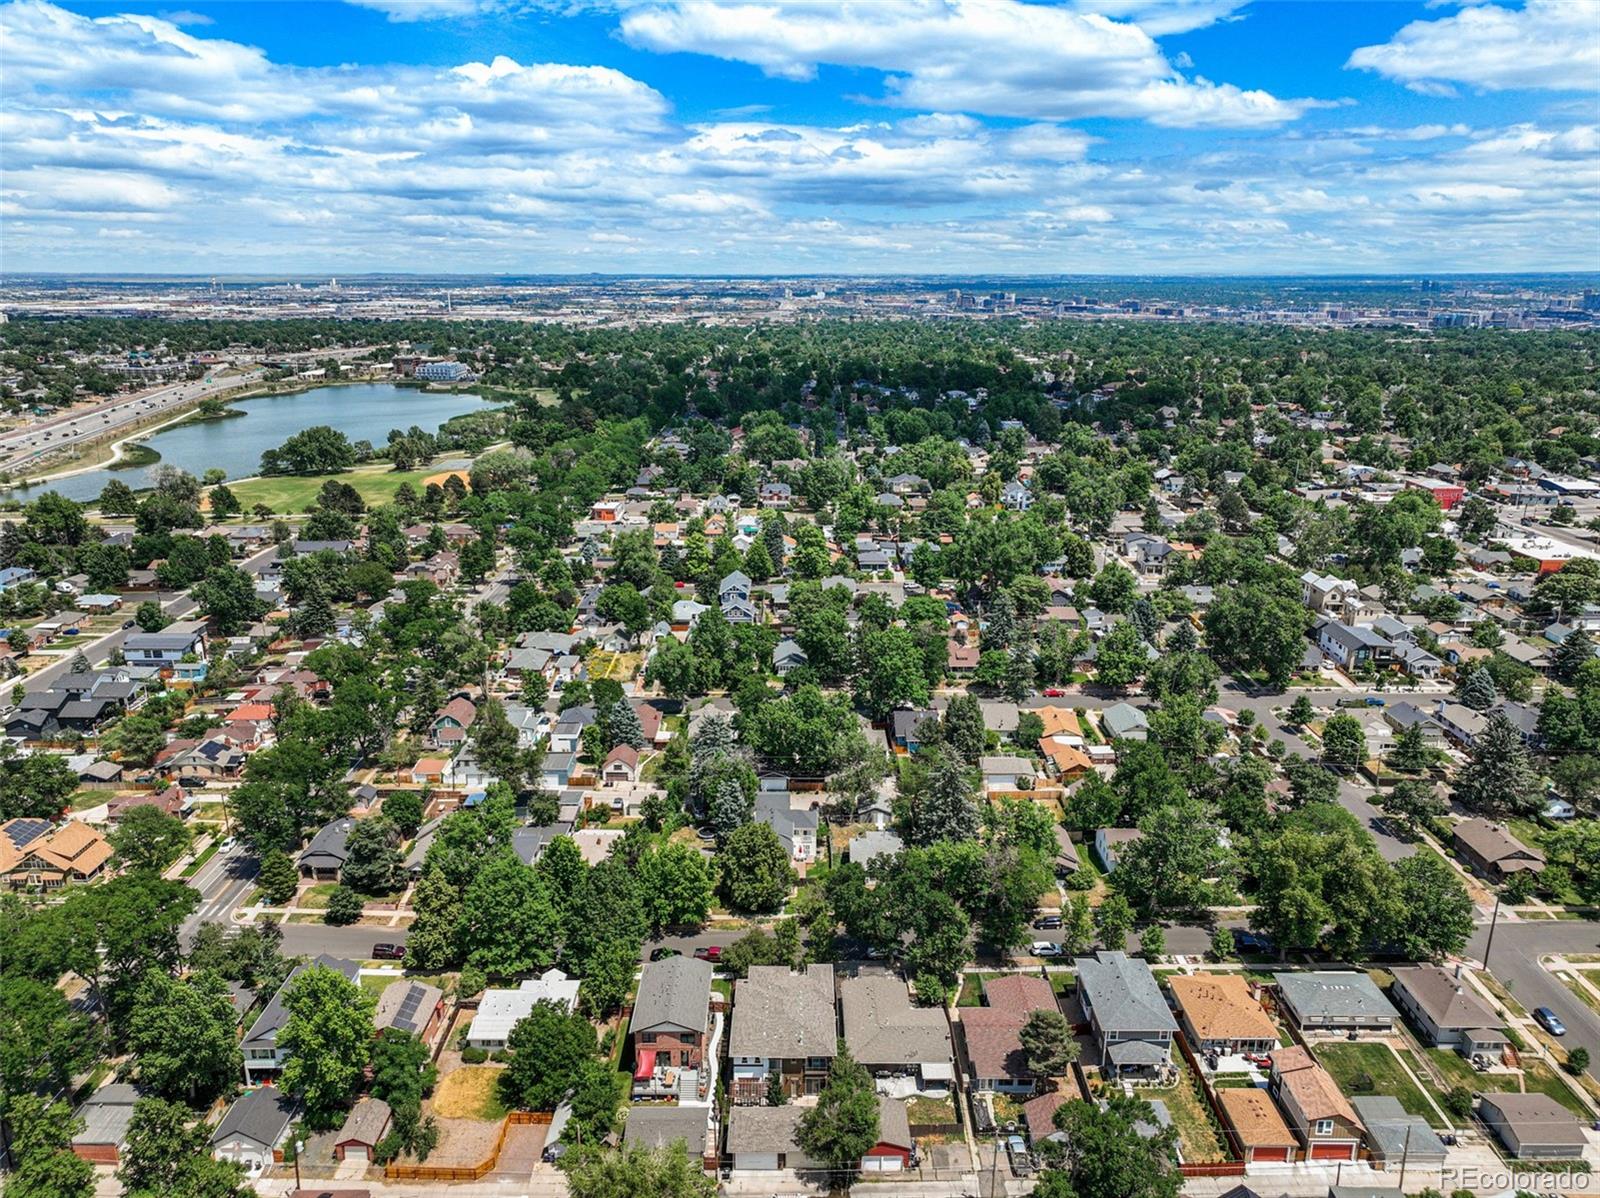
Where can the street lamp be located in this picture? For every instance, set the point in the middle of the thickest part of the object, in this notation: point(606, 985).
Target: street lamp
point(299, 1147)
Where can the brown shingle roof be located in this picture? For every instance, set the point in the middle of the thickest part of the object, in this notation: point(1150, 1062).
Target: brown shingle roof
point(1255, 1118)
point(1312, 1086)
point(1220, 1007)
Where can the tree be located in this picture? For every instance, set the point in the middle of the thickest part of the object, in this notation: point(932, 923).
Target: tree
point(345, 906)
point(1300, 712)
point(117, 499)
point(181, 1033)
point(1343, 742)
point(327, 1039)
point(677, 885)
point(1577, 1061)
point(149, 616)
point(891, 672)
point(227, 596)
point(1167, 868)
point(320, 449)
point(1222, 946)
point(44, 1165)
point(843, 1126)
point(1499, 776)
point(755, 870)
point(372, 861)
point(44, 1041)
point(1113, 920)
point(1258, 629)
point(1433, 909)
point(1122, 657)
point(33, 787)
point(404, 810)
point(665, 1172)
point(941, 799)
point(1109, 1153)
point(1047, 1043)
point(1572, 654)
point(1411, 754)
point(1478, 692)
point(1153, 942)
point(509, 922)
point(1310, 782)
point(278, 878)
point(962, 729)
point(549, 1048)
point(623, 727)
point(167, 1154)
point(146, 837)
point(224, 503)
point(1114, 589)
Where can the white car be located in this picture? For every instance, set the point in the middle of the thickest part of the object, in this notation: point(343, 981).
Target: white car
point(1045, 948)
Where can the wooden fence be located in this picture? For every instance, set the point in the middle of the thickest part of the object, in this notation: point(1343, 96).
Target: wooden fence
point(482, 1169)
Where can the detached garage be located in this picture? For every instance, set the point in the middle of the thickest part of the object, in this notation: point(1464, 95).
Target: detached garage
point(364, 1128)
point(761, 1139)
point(1261, 1131)
point(895, 1147)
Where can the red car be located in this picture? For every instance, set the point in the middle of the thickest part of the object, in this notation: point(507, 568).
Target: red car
point(1053, 692)
point(712, 953)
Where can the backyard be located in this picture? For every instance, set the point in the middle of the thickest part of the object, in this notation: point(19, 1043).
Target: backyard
point(1197, 1133)
point(1363, 1069)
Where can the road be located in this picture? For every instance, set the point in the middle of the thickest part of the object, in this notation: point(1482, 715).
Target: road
point(1514, 959)
point(222, 882)
point(350, 944)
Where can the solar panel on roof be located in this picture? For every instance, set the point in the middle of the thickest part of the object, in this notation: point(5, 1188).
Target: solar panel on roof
point(24, 831)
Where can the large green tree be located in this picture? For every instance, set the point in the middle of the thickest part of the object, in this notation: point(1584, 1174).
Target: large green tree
point(549, 1049)
point(755, 870)
point(843, 1126)
point(328, 1041)
point(182, 1035)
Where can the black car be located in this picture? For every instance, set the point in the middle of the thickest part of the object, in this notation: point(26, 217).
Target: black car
point(1047, 922)
point(388, 952)
point(661, 954)
point(1246, 941)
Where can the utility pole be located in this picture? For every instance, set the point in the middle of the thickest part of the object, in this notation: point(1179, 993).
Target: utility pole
point(1404, 1153)
point(1493, 919)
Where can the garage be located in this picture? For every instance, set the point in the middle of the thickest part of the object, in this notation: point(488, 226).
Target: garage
point(1333, 1152)
point(888, 1162)
point(1271, 1155)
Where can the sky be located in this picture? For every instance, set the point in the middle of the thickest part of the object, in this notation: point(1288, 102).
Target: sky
point(817, 137)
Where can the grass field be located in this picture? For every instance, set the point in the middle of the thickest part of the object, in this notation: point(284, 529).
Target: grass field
point(1197, 1133)
point(292, 494)
point(470, 1092)
point(1362, 1069)
point(971, 994)
point(1537, 1076)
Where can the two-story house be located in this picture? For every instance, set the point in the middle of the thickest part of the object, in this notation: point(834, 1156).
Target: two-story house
point(165, 649)
point(1132, 1023)
point(784, 1030)
point(891, 1038)
point(1322, 1118)
point(671, 1029)
point(263, 1058)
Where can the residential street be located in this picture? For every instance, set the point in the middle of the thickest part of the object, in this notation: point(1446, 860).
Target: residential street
point(1514, 959)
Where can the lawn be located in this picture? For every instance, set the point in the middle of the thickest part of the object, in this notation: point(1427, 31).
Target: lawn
point(1362, 1069)
point(1196, 1132)
point(1539, 1077)
point(193, 867)
point(315, 898)
point(82, 800)
point(972, 989)
point(1579, 990)
point(923, 1110)
point(470, 1092)
point(292, 494)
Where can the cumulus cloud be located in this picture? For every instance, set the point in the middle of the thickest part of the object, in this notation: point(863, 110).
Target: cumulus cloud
point(1548, 44)
point(993, 57)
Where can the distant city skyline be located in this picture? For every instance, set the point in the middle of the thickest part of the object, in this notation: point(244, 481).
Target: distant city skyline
point(902, 138)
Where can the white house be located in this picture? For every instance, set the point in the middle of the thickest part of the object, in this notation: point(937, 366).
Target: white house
point(502, 1010)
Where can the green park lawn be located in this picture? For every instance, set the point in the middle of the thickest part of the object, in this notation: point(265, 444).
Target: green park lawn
point(293, 494)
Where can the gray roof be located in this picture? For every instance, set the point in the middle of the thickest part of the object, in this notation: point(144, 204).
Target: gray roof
point(264, 1031)
point(366, 1122)
point(262, 1117)
point(1123, 993)
point(894, 1122)
point(106, 1114)
point(328, 844)
point(1137, 1052)
point(656, 1126)
point(1536, 1118)
point(781, 1014)
point(1334, 994)
point(883, 1028)
point(763, 1129)
point(1123, 718)
point(1391, 1132)
point(406, 1005)
point(1444, 999)
point(675, 992)
point(873, 843)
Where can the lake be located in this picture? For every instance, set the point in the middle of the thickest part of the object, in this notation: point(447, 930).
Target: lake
point(362, 411)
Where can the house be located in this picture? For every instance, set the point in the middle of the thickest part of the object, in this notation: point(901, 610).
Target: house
point(1403, 717)
point(324, 857)
point(169, 802)
point(905, 727)
point(992, 1033)
point(1110, 842)
point(1221, 1015)
point(783, 1032)
point(796, 828)
point(1353, 646)
point(450, 724)
point(762, 1139)
point(164, 649)
point(1335, 1001)
point(15, 576)
point(960, 658)
point(567, 735)
point(621, 766)
point(660, 1126)
point(1533, 1126)
point(100, 604)
point(1262, 1134)
point(1460, 723)
point(1147, 554)
point(1326, 595)
point(1067, 860)
point(788, 656)
point(1447, 1013)
point(254, 1128)
point(1492, 851)
point(105, 1114)
point(1016, 496)
point(864, 847)
point(892, 1039)
point(1124, 721)
point(413, 1007)
point(1394, 1135)
point(15, 836)
point(501, 1010)
point(262, 1056)
point(776, 495)
point(1326, 1124)
point(74, 852)
point(364, 1128)
point(1131, 1022)
point(671, 1028)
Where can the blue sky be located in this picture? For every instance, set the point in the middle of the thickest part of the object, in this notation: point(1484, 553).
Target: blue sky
point(1094, 136)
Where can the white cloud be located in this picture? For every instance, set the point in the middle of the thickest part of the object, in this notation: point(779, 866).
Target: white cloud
point(994, 57)
point(1551, 44)
point(430, 10)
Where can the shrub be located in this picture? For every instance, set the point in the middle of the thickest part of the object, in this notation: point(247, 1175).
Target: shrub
point(1577, 1061)
point(1458, 1101)
point(474, 1056)
point(344, 907)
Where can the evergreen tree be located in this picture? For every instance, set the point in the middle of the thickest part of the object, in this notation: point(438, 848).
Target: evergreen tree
point(1478, 692)
point(1573, 652)
point(1499, 776)
point(962, 729)
point(942, 801)
point(623, 727)
point(1145, 619)
point(773, 529)
point(278, 877)
point(1000, 630)
point(758, 562)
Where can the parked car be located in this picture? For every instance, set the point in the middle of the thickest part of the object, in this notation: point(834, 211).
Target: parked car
point(1246, 941)
point(709, 952)
point(1047, 922)
point(1550, 1021)
point(1045, 948)
point(661, 954)
point(1053, 692)
point(388, 952)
